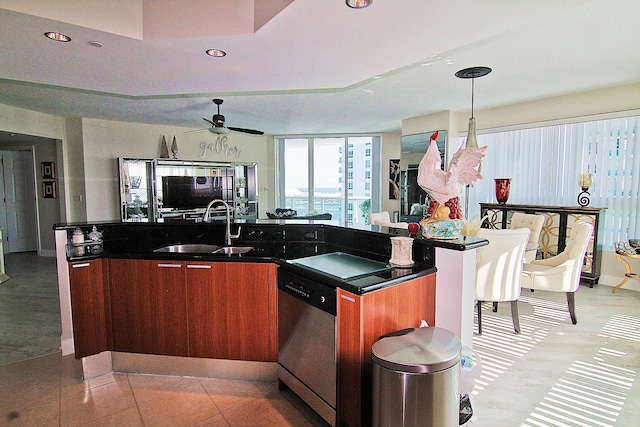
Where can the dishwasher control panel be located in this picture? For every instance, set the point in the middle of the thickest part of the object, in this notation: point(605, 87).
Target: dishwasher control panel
point(312, 292)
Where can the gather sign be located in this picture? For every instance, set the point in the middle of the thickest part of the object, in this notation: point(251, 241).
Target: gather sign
point(220, 146)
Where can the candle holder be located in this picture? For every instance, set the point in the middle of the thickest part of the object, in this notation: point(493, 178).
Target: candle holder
point(586, 180)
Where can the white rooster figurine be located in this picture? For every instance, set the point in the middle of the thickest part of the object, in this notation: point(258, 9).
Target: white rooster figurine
point(441, 185)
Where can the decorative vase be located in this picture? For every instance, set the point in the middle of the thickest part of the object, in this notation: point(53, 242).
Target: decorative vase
point(503, 186)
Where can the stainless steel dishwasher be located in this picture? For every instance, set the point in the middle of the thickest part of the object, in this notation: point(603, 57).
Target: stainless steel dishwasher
point(307, 360)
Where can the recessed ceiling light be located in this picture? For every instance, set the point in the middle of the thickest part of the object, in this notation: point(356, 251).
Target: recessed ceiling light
point(96, 44)
point(358, 4)
point(216, 53)
point(59, 37)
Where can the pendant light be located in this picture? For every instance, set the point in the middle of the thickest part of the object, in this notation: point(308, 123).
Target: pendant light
point(472, 73)
point(472, 140)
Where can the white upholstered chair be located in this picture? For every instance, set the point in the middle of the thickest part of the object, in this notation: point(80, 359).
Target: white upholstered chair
point(383, 216)
point(534, 223)
point(561, 273)
point(383, 219)
point(499, 270)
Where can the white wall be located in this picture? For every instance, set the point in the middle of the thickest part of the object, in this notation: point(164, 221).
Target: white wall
point(103, 141)
point(29, 122)
point(611, 100)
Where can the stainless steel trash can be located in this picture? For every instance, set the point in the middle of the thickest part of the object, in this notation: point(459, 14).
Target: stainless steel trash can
point(415, 378)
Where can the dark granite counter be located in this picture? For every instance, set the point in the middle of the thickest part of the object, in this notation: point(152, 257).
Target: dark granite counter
point(273, 241)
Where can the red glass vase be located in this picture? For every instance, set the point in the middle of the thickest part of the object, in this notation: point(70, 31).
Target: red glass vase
point(503, 186)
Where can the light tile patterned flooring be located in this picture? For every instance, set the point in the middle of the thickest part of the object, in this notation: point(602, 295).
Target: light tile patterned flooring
point(552, 374)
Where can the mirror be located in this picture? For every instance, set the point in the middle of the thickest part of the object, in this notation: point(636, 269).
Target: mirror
point(412, 197)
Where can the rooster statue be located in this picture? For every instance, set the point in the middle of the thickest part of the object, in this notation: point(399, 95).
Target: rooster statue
point(441, 185)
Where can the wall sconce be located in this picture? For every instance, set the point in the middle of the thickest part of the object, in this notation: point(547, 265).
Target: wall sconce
point(586, 181)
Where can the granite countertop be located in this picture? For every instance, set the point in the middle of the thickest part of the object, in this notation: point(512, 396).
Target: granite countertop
point(277, 241)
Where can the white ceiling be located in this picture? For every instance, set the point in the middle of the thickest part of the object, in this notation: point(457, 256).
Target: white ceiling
point(312, 68)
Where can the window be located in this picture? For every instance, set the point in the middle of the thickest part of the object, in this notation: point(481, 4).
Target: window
point(545, 164)
point(311, 175)
point(367, 174)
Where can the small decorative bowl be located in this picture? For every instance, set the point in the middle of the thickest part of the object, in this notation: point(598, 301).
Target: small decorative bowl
point(442, 229)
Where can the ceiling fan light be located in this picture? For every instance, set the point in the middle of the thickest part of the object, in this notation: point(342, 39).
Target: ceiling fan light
point(59, 37)
point(219, 130)
point(216, 53)
point(358, 4)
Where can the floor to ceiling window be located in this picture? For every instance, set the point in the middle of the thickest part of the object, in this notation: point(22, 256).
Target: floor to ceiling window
point(329, 174)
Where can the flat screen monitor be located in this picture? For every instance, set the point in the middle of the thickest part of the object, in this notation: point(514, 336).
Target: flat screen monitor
point(189, 192)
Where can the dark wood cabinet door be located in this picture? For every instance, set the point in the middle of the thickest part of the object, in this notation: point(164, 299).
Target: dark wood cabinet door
point(362, 319)
point(232, 309)
point(148, 300)
point(88, 307)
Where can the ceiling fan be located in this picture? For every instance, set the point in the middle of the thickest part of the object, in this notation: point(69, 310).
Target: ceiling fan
point(218, 127)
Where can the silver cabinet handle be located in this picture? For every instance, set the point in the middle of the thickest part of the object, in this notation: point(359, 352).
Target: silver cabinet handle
point(84, 264)
point(198, 266)
point(170, 265)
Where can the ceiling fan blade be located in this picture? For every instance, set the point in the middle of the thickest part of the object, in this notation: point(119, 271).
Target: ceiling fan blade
point(196, 130)
point(209, 121)
point(249, 131)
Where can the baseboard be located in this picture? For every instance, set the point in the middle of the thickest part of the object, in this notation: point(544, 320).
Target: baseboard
point(67, 347)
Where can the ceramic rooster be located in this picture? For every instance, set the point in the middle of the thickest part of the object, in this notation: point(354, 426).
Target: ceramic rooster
point(442, 185)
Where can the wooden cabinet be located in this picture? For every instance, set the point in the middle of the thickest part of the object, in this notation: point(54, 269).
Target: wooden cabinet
point(556, 228)
point(201, 309)
point(362, 319)
point(148, 305)
point(232, 310)
point(89, 307)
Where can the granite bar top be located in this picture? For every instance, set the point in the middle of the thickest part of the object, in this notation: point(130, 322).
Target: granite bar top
point(273, 241)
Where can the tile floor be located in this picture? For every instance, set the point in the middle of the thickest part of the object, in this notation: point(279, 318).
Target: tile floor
point(552, 374)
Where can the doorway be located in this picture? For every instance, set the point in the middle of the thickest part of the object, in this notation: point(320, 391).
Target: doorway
point(18, 216)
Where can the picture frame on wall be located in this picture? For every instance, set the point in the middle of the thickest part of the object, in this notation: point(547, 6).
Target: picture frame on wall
point(48, 170)
point(394, 179)
point(49, 190)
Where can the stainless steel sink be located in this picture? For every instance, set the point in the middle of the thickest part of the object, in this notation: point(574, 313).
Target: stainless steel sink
point(231, 250)
point(189, 248)
point(205, 249)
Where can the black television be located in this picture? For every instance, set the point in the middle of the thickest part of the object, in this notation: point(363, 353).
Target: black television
point(189, 192)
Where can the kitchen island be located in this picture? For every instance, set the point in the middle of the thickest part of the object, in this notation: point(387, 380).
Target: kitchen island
point(127, 308)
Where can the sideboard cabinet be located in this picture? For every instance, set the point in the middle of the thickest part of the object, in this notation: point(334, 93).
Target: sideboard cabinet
point(556, 228)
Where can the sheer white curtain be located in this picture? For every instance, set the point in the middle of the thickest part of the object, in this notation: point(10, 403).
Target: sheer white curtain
point(545, 163)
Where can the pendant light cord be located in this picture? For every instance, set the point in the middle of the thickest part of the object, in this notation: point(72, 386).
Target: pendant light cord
point(473, 82)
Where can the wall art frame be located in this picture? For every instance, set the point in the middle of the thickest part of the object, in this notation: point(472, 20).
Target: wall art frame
point(394, 179)
point(49, 190)
point(48, 170)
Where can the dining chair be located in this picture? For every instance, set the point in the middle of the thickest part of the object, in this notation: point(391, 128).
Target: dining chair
point(375, 217)
point(499, 270)
point(534, 223)
point(383, 219)
point(561, 273)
